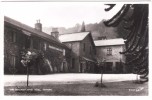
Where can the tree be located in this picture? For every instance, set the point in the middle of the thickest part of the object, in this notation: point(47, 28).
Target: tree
point(83, 27)
point(30, 58)
point(101, 65)
point(136, 26)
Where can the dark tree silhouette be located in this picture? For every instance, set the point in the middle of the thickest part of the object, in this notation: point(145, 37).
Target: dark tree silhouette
point(136, 27)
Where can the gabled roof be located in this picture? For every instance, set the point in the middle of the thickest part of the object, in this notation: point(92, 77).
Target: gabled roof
point(29, 29)
point(73, 37)
point(118, 41)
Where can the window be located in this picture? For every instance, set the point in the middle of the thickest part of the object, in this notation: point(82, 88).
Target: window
point(64, 66)
point(95, 52)
point(27, 43)
point(35, 44)
point(109, 51)
point(109, 66)
point(83, 46)
point(81, 67)
point(12, 60)
point(119, 67)
point(69, 45)
point(13, 37)
point(63, 52)
point(73, 62)
point(90, 49)
point(45, 46)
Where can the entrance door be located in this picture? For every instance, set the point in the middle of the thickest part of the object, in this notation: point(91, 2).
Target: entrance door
point(119, 67)
point(64, 66)
point(108, 68)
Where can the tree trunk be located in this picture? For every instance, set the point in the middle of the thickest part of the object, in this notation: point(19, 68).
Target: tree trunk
point(101, 77)
point(27, 76)
point(101, 74)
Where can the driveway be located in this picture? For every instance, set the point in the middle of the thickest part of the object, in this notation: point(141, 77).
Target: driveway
point(67, 78)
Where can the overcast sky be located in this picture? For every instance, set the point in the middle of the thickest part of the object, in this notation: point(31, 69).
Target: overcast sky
point(57, 14)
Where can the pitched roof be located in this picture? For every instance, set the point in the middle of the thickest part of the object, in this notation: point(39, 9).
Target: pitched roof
point(118, 41)
point(73, 37)
point(29, 29)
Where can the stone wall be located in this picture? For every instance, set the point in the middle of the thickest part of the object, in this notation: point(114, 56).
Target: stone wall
point(54, 57)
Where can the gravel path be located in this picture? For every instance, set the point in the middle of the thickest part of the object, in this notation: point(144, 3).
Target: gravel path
point(70, 78)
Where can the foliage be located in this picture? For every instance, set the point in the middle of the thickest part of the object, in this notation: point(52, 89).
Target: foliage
point(136, 26)
point(95, 28)
point(31, 57)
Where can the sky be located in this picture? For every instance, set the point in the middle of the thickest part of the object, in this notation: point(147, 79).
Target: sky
point(57, 14)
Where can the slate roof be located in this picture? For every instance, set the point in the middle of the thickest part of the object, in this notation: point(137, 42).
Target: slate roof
point(73, 37)
point(29, 29)
point(118, 41)
point(33, 31)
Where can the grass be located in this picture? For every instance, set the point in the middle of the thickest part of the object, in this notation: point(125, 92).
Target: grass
point(124, 88)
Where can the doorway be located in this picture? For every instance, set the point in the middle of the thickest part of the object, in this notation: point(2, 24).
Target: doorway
point(81, 67)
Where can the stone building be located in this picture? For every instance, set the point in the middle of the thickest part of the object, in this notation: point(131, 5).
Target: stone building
point(82, 51)
point(18, 37)
point(107, 52)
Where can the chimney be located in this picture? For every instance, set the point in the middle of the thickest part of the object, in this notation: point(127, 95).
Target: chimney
point(38, 26)
point(55, 33)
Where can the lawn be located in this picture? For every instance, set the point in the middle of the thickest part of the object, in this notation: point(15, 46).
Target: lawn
point(75, 85)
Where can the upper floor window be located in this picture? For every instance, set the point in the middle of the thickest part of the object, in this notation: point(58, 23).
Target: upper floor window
point(27, 42)
point(95, 52)
point(69, 45)
point(36, 43)
point(63, 52)
point(90, 49)
point(45, 46)
point(13, 37)
point(109, 51)
point(83, 46)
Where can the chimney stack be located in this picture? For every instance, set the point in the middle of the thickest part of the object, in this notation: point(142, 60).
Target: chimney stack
point(55, 33)
point(38, 26)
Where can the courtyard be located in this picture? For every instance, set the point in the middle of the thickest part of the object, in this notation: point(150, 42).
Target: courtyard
point(74, 85)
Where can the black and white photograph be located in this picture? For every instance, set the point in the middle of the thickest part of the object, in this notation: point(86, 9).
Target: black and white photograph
point(75, 48)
